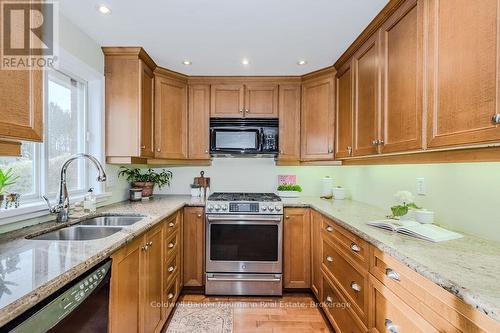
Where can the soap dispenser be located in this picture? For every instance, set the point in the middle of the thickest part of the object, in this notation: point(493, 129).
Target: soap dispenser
point(89, 203)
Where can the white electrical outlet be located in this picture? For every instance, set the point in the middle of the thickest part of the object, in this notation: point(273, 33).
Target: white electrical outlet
point(420, 186)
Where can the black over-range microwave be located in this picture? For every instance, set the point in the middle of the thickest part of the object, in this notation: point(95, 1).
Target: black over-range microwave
point(244, 137)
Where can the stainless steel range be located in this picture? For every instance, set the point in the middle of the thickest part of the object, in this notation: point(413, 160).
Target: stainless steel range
point(244, 244)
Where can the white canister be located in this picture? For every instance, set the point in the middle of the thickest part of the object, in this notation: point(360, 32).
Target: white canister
point(326, 186)
point(424, 216)
point(338, 193)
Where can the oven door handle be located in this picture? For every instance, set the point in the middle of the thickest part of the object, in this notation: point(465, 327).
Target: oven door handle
point(246, 218)
point(242, 279)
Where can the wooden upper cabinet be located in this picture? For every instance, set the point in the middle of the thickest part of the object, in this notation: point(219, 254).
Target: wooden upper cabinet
point(261, 100)
point(463, 72)
point(171, 118)
point(21, 104)
point(147, 112)
point(297, 248)
point(227, 100)
point(199, 121)
point(289, 122)
point(366, 98)
point(129, 102)
point(317, 119)
point(401, 64)
point(344, 112)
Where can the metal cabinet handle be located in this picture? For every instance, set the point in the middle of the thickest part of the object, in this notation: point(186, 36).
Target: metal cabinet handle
point(496, 119)
point(328, 299)
point(287, 217)
point(171, 245)
point(389, 325)
point(199, 215)
point(355, 286)
point(143, 147)
point(158, 149)
point(355, 247)
point(145, 247)
point(392, 275)
point(247, 111)
point(329, 228)
point(171, 224)
point(330, 150)
point(375, 142)
point(329, 259)
point(149, 244)
point(171, 269)
point(378, 142)
point(381, 142)
point(349, 151)
point(170, 296)
point(241, 110)
point(206, 151)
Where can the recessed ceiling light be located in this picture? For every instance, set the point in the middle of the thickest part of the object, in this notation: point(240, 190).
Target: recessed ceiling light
point(245, 62)
point(104, 9)
point(301, 62)
point(187, 62)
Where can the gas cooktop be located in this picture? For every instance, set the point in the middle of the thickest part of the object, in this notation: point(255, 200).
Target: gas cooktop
point(241, 203)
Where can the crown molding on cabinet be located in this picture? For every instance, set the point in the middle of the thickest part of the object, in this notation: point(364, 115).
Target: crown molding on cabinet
point(136, 51)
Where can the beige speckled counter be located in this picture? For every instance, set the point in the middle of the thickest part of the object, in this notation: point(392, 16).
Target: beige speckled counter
point(31, 270)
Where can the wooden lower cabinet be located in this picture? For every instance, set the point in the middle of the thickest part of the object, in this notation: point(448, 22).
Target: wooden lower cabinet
point(297, 248)
point(140, 271)
point(194, 247)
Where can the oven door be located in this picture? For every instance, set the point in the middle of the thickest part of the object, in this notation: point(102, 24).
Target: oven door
point(235, 140)
point(244, 244)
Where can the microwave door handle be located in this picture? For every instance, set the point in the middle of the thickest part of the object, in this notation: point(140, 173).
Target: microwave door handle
point(261, 143)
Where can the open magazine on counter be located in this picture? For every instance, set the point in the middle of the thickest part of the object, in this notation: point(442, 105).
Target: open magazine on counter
point(429, 232)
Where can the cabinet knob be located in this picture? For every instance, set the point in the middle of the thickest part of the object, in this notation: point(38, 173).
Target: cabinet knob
point(145, 247)
point(391, 327)
point(149, 244)
point(329, 259)
point(328, 299)
point(171, 224)
point(247, 111)
point(375, 142)
point(392, 275)
point(158, 149)
point(330, 150)
point(171, 245)
point(143, 147)
point(355, 286)
point(206, 151)
point(170, 296)
point(171, 269)
point(496, 119)
point(287, 217)
point(355, 247)
point(329, 228)
point(199, 215)
point(349, 151)
point(241, 110)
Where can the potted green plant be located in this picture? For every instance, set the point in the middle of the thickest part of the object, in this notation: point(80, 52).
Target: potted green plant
point(406, 202)
point(7, 178)
point(146, 180)
point(289, 190)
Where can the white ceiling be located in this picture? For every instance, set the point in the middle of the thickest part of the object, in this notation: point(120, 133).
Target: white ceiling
point(217, 34)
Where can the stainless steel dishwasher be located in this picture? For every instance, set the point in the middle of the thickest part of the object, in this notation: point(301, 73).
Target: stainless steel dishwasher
point(80, 307)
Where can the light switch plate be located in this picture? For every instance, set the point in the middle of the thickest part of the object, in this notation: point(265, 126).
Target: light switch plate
point(420, 186)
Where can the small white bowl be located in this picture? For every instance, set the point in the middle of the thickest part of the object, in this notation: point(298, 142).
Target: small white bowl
point(424, 216)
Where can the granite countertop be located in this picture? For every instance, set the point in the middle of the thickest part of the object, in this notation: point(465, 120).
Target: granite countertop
point(31, 270)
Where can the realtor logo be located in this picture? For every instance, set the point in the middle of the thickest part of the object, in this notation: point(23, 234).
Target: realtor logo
point(29, 34)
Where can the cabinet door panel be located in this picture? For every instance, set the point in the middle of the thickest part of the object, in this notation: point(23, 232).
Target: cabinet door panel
point(171, 119)
point(153, 271)
point(147, 112)
point(463, 71)
point(316, 224)
point(261, 100)
point(194, 246)
point(289, 115)
point(317, 119)
point(344, 112)
point(199, 123)
point(227, 100)
point(401, 43)
point(366, 98)
point(297, 249)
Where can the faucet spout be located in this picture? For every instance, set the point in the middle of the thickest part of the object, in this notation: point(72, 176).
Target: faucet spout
point(62, 207)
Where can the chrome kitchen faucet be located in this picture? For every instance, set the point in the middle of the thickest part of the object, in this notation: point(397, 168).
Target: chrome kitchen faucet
point(62, 207)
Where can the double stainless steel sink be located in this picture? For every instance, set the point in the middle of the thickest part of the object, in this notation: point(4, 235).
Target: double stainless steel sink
point(90, 229)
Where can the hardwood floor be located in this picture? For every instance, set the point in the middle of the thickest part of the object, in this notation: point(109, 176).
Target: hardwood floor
point(291, 313)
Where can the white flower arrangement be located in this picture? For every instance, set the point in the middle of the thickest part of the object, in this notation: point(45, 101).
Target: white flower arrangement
point(406, 201)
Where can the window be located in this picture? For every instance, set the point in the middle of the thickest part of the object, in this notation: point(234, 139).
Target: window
point(65, 134)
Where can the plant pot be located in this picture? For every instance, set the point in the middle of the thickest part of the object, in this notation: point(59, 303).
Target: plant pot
point(288, 194)
point(147, 188)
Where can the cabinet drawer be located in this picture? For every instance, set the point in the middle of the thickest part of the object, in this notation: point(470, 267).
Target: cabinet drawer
point(391, 314)
point(444, 310)
point(172, 267)
point(171, 294)
point(352, 245)
point(172, 243)
point(172, 224)
point(338, 310)
point(351, 280)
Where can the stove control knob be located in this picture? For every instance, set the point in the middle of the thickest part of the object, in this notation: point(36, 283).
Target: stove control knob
point(271, 208)
point(210, 207)
point(278, 208)
point(264, 208)
point(217, 207)
point(224, 207)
